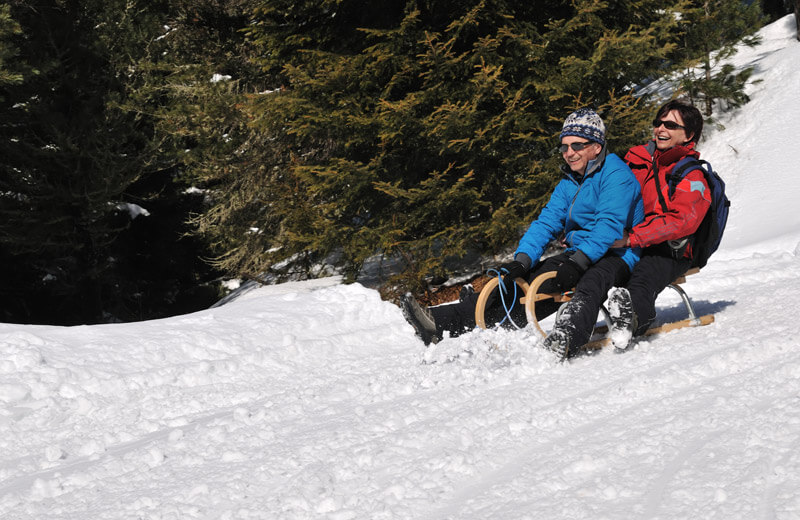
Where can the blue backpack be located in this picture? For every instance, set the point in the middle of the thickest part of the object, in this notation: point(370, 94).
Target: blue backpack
point(708, 236)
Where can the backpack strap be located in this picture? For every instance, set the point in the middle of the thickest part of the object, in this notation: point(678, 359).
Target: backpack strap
point(684, 166)
point(658, 187)
point(679, 171)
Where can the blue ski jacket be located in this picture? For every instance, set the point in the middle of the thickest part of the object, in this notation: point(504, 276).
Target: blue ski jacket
point(591, 211)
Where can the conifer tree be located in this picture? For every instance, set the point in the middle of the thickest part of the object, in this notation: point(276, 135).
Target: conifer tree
point(55, 175)
point(196, 84)
point(75, 164)
point(9, 28)
point(713, 29)
point(421, 130)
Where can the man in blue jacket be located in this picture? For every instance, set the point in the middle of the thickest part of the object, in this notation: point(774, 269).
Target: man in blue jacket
point(598, 198)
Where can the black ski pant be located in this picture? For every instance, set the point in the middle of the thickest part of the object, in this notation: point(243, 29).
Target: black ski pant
point(650, 276)
point(590, 293)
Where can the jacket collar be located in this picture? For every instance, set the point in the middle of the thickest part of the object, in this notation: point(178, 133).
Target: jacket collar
point(672, 155)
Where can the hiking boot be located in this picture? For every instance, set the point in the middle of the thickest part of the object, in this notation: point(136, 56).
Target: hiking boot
point(623, 319)
point(419, 318)
point(466, 292)
point(558, 342)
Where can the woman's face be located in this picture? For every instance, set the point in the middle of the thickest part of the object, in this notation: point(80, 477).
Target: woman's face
point(667, 138)
point(577, 160)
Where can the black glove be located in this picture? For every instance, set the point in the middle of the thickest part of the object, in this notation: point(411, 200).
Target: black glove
point(511, 271)
point(567, 275)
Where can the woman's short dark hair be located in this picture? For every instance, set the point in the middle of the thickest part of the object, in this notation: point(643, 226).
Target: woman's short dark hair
point(692, 118)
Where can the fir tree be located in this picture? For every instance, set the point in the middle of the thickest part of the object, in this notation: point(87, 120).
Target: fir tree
point(59, 174)
point(713, 29)
point(196, 84)
point(421, 130)
point(74, 164)
point(9, 29)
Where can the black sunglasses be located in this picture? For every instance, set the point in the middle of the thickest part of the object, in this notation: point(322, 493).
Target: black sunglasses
point(576, 147)
point(669, 125)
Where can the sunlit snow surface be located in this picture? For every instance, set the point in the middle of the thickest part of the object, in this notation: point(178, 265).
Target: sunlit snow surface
point(316, 400)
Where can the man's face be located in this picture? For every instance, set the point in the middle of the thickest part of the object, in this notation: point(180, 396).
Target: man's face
point(577, 160)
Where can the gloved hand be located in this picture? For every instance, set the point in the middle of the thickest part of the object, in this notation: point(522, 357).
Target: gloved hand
point(511, 271)
point(567, 275)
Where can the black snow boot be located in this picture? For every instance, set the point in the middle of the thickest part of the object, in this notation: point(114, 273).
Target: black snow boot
point(558, 342)
point(419, 318)
point(623, 319)
point(564, 339)
point(465, 292)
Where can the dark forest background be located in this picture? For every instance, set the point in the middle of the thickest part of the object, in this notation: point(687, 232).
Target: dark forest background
point(150, 149)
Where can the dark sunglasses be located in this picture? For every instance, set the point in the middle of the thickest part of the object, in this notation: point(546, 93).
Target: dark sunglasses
point(669, 125)
point(576, 147)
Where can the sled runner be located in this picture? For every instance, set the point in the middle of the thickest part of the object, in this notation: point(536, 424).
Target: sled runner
point(531, 296)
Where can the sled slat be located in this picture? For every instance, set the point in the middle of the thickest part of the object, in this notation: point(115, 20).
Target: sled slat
point(675, 325)
point(597, 344)
point(667, 327)
point(557, 297)
point(682, 278)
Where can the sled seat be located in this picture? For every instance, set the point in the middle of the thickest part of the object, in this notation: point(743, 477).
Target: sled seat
point(531, 295)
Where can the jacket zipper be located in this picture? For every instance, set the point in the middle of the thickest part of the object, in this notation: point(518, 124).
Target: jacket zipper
point(572, 204)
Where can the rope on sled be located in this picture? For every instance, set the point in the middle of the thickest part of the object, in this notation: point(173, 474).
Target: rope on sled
point(503, 291)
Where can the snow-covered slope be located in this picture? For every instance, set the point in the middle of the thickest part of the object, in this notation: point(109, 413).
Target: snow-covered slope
point(310, 400)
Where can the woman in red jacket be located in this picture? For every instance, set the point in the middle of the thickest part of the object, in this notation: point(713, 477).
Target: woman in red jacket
point(669, 222)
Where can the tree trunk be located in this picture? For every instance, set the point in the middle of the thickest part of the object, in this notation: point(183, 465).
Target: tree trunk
point(797, 17)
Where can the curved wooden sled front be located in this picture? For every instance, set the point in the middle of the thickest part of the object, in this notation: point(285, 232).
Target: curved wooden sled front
point(530, 295)
point(483, 297)
point(534, 296)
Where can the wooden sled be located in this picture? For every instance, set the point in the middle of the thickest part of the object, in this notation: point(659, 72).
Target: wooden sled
point(531, 295)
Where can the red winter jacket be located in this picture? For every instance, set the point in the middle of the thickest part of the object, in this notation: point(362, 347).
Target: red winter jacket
point(686, 208)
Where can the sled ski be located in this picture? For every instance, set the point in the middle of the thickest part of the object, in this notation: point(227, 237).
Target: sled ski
point(531, 296)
